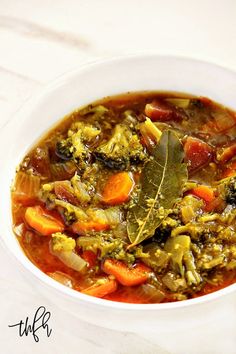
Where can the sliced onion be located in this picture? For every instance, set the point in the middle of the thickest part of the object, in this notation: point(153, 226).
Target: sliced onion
point(26, 188)
point(19, 229)
point(151, 293)
point(71, 259)
point(62, 278)
point(224, 120)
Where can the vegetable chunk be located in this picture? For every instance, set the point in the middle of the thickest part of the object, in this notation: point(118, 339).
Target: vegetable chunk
point(42, 221)
point(26, 188)
point(158, 111)
point(125, 275)
point(136, 195)
point(122, 149)
point(197, 153)
point(204, 192)
point(101, 289)
point(118, 188)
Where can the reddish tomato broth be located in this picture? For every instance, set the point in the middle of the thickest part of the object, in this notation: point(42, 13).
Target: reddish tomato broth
point(67, 172)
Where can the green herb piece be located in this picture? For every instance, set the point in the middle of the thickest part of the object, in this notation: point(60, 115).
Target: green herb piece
point(163, 178)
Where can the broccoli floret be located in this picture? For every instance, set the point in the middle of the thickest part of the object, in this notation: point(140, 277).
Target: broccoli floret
point(69, 217)
point(96, 111)
point(71, 212)
point(82, 190)
point(61, 242)
point(170, 223)
point(80, 137)
point(230, 191)
point(121, 150)
point(64, 149)
point(107, 246)
point(182, 260)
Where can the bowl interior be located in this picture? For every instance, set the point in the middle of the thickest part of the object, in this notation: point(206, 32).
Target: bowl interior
point(84, 86)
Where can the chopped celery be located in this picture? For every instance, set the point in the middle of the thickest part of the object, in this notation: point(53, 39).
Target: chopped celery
point(179, 102)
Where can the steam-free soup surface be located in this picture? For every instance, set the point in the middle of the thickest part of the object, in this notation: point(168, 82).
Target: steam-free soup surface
point(132, 199)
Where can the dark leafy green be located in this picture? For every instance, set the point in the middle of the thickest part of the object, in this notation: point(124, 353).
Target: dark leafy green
point(162, 184)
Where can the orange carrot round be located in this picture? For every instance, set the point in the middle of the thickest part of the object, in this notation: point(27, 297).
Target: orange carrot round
point(217, 204)
point(42, 221)
point(125, 275)
point(102, 289)
point(81, 227)
point(228, 153)
point(230, 170)
point(118, 188)
point(204, 192)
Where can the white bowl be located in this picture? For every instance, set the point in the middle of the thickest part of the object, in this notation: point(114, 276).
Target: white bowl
point(81, 87)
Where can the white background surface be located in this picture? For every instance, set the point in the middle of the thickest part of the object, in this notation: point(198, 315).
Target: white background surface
point(40, 40)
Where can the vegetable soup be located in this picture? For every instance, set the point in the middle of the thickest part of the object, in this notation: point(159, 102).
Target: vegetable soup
point(133, 198)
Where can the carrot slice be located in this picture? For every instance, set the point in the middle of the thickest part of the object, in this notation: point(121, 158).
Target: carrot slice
point(118, 188)
point(230, 170)
point(217, 204)
point(125, 275)
point(102, 289)
point(42, 221)
point(228, 153)
point(81, 227)
point(204, 192)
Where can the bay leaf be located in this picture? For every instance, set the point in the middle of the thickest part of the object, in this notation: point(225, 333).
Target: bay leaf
point(162, 182)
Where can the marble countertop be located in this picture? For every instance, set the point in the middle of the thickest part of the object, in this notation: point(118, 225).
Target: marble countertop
point(40, 40)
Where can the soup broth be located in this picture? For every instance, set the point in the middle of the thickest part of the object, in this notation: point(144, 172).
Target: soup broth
point(132, 198)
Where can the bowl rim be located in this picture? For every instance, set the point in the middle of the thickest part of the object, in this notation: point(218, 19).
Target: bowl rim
point(44, 278)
